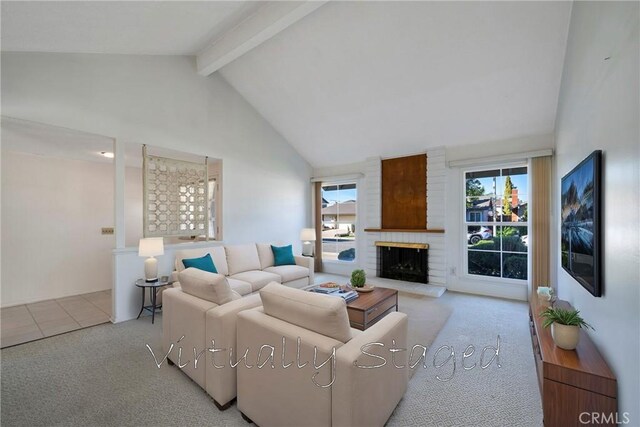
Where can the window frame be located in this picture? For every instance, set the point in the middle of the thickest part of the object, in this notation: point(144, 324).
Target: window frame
point(339, 182)
point(464, 224)
point(213, 213)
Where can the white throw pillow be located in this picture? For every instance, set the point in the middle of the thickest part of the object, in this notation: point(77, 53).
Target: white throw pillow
point(208, 286)
point(265, 253)
point(241, 258)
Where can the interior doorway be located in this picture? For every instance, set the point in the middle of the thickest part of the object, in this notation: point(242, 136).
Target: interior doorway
point(57, 230)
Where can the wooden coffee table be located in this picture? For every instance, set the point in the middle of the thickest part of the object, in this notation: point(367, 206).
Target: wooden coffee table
point(372, 306)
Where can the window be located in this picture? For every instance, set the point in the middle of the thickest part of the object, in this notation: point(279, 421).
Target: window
point(339, 221)
point(474, 217)
point(496, 220)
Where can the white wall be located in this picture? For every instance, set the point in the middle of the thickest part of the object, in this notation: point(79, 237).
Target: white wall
point(161, 101)
point(457, 279)
point(52, 213)
point(133, 205)
point(599, 109)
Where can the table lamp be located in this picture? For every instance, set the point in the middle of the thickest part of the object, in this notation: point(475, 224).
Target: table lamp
point(151, 247)
point(307, 235)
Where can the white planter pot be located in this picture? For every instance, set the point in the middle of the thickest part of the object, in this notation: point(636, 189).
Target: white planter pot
point(565, 336)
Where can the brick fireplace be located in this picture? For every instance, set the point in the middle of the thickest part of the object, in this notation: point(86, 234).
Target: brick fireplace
point(372, 218)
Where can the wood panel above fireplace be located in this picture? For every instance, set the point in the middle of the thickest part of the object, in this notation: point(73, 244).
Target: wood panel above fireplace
point(404, 193)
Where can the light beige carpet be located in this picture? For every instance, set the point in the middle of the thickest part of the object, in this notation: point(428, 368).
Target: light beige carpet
point(426, 318)
point(104, 376)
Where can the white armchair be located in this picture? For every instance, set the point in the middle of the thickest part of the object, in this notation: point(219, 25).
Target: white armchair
point(293, 322)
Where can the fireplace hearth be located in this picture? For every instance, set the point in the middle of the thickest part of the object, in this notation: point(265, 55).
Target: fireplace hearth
point(403, 261)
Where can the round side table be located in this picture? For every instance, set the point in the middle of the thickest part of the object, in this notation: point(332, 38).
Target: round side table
point(154, 287)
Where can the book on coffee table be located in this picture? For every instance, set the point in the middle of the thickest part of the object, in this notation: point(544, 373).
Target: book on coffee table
point(345, 295)
point(324, 290)
point(349, 296)
point(332, 289)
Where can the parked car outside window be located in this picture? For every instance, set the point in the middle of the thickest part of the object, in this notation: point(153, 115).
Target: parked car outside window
point(484, 233)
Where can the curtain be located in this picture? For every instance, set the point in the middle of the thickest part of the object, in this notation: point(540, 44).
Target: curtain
point(318, 226)
point(540, 224)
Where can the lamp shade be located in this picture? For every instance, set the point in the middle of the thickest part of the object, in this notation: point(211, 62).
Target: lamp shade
point(308, 234)
point(151, 246)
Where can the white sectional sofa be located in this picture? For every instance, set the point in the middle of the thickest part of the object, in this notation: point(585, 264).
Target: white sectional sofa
point(204, 311)
point(250, 267)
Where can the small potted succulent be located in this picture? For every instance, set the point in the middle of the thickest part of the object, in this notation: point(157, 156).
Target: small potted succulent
point(565, 326)
point(358, 278)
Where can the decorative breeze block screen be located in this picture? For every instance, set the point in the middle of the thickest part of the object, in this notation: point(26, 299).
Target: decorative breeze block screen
point(175, 197)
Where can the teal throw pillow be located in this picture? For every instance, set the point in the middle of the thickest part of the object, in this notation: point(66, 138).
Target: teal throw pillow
point(283, 255)
point(203, 263)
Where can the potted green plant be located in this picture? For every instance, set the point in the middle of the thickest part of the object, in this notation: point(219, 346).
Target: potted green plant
point(565, 326)
point(358, 278)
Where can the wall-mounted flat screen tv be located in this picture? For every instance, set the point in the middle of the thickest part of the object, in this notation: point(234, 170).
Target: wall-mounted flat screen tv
point(580, 229)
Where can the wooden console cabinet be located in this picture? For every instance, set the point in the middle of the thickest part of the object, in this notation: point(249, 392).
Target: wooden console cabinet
point(571, 382)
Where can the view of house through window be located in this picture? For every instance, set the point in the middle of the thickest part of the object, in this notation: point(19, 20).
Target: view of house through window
point(339, 221)
point(496, 219)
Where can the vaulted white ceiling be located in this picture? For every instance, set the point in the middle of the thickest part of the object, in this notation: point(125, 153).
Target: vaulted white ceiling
point(341, 81)
point(118, 27)
point(359, 79)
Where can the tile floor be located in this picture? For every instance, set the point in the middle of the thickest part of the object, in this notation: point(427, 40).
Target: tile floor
point(30, 322)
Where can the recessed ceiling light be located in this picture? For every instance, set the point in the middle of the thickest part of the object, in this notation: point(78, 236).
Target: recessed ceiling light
point(107, 154)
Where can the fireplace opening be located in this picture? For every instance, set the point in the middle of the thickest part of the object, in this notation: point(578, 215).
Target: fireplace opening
point(398, 262)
